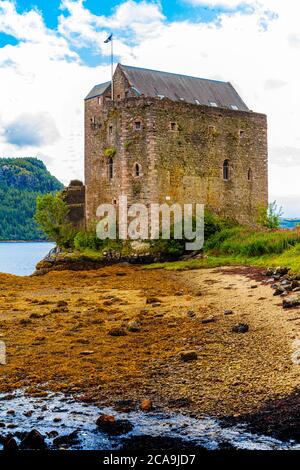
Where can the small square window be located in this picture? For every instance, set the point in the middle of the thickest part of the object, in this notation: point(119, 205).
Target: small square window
point(242, 133)
point(138, 125)
point(173, 126)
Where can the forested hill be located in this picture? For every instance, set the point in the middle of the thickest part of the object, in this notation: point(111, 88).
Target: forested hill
point(21, 180)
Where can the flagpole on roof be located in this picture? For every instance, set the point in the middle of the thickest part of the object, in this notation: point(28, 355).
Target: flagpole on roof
point(112, 66)
point(111, 40)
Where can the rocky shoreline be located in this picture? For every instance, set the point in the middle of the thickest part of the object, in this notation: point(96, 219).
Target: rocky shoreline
point(71, 262)
point(60, 422)
point(279, 419)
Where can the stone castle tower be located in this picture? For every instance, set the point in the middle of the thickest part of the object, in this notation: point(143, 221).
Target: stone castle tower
point(168, 137)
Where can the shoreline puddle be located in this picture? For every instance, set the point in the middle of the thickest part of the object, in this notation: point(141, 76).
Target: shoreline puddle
point(59, 416)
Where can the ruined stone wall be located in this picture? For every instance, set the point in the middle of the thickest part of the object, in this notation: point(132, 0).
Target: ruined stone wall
point(74, 196)
point(179, 149)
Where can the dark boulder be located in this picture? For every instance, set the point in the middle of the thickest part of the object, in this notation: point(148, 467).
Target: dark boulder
point(10, 443)
point(67, 440)
point(109, 425)
point(33, 440)
point(291, 302)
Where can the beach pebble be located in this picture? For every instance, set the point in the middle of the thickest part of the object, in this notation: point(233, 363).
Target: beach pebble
point(228, 312)
point(187, 356)
point(240, 328)
point(146, 405)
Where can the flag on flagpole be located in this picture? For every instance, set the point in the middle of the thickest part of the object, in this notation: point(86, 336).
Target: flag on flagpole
point(109, 39)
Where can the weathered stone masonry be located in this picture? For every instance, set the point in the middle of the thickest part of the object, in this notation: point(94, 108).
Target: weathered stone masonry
point(154, 149)
point(74, 196)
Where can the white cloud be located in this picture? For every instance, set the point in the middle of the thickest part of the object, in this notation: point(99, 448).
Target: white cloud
point(285, 157)
point(219, 3)
point(273, 83)
point(256, 49)
point(31, 130)
point(28, 26)
point(81, 28)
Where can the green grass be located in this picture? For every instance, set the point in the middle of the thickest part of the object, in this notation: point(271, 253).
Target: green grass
point(240, 246)
point(233, 246)
point(250, 243)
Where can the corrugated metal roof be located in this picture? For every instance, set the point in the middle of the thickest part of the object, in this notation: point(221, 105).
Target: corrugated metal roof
point(176, 87)
point(98, 90)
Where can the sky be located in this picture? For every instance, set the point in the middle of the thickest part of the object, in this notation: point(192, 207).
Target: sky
point(52, 52)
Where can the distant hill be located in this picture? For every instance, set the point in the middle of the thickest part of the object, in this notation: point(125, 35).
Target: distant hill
point(289, 223)
point(21, 180)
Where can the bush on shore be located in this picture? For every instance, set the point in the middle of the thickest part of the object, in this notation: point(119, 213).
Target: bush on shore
point(269, 217)
point(87, 240)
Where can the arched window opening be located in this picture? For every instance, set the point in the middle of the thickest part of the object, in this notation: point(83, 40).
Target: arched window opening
point(226, 170)
point(110, 165)
point(249, 175)
point(137, 169)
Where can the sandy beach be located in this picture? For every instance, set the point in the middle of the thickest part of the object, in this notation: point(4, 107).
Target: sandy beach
point(123, 332)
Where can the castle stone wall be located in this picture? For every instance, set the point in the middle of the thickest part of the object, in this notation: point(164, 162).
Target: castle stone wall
point(180, 149)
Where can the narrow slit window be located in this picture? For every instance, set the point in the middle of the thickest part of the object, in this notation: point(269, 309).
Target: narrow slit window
point(110, 130)
point(249, 174)
point(137, 169)
point(226, 171)
point(93, 122)
point(110, 164)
